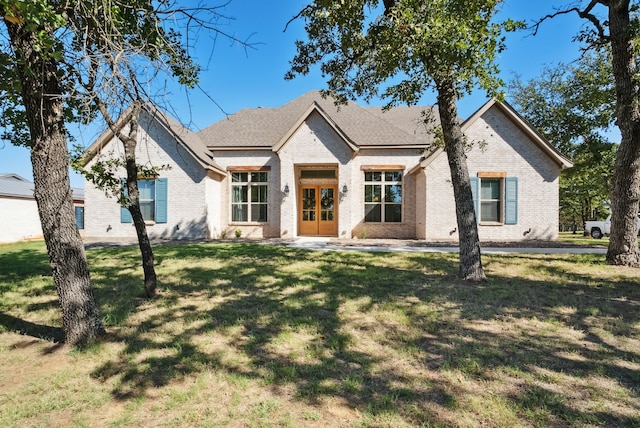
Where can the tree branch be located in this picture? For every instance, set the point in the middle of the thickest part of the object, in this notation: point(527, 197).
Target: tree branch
point(586, 13)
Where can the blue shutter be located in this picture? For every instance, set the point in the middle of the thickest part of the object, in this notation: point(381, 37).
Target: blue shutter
point(474, 191)
point(79, 217)
point(511, 200)
point(125, 215)
point(161, 200)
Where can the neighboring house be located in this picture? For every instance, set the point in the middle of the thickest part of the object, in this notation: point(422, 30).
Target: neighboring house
point(19, 211)
point(308, 168)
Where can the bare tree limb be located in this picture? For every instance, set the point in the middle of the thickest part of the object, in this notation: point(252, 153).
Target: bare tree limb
point(585, 13)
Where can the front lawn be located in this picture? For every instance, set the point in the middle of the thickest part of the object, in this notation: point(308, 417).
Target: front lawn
point(580, 239)
point(269, 336)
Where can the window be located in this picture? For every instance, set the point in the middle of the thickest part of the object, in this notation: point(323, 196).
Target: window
point(495, 198)
point(490, 198)
point(79, 217)
point(318, 173)
point(383, 196)
point(147, 198)
point(249, 196)
point(152, 195)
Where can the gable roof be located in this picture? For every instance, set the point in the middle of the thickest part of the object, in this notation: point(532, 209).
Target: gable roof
point(520, 122)
point(360, 127)
point(315, 107)
point(185, 137)
point(525, 126)
point(15, 186)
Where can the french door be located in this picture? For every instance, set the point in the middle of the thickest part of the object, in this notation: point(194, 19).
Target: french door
point(317, 210)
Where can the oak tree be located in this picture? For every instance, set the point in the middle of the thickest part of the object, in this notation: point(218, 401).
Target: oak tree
point(75, 61)
point(615, 23)
point(33, 92)
point(400, 50)
point(573, 106)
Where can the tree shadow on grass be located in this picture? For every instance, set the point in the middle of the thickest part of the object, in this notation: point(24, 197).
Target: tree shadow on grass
point(262, 297)
point(29, 262)
point(352, 325)
point(11, 323)
point(571, 327)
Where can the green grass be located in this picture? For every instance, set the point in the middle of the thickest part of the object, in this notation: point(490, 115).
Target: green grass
point(580, 239)
point(268, 336)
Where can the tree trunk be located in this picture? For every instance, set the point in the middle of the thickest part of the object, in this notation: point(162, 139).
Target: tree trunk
point(150, 279)
point(470, 257)
point(625, 198)
point(43, 102)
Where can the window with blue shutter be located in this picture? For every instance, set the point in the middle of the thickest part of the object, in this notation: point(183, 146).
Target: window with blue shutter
point(511, 200)
point(152, 197)
point(79, 217)
point(495, 198)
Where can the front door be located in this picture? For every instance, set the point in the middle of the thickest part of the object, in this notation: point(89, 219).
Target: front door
point(317, 210)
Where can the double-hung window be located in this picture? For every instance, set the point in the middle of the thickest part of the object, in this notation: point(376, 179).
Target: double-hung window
point(147, 197)
point(491, 200)
point(495, 197)
point(383, 196)
point(152, 195)
point(249, 196)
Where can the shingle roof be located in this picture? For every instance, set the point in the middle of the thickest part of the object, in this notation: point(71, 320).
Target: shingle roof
point(187, 138)
point(13, 185)
point(190, 140)
point(524, 126)
point(363, 126)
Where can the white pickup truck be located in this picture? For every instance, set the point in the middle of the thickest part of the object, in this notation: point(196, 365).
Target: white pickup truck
point(598, 229)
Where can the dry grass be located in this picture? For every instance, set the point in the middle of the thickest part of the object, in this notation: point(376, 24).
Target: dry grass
point(267, 336)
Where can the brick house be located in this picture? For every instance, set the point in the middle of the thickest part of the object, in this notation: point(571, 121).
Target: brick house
point(308, 168)
point(19, 211)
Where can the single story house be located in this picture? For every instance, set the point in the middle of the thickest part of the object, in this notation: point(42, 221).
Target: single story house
point(19, 211)
point(308, 168)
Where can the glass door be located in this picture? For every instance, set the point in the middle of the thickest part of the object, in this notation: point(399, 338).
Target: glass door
point(317, 210)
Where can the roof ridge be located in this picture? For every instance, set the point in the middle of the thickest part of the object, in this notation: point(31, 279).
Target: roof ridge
point(263, 128)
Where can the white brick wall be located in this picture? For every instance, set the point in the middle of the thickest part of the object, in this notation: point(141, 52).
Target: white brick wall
point(507, 150)
point(187, 209)
point(315, 142)
point(421, 205)
point(256, 158)
point(199, 205)
point(368, 157)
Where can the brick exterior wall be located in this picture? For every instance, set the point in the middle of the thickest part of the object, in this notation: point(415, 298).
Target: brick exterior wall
point(199, 203)
point(421, 204)
point(186, 181)
point(381, 157)
point(315, 142)
point(499, 146)
point(256, 158)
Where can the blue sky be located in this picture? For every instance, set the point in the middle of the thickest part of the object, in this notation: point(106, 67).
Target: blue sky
point(237, 78)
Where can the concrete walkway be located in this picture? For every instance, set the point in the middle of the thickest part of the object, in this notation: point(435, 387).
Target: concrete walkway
point(371, 245)
point(327, 244)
